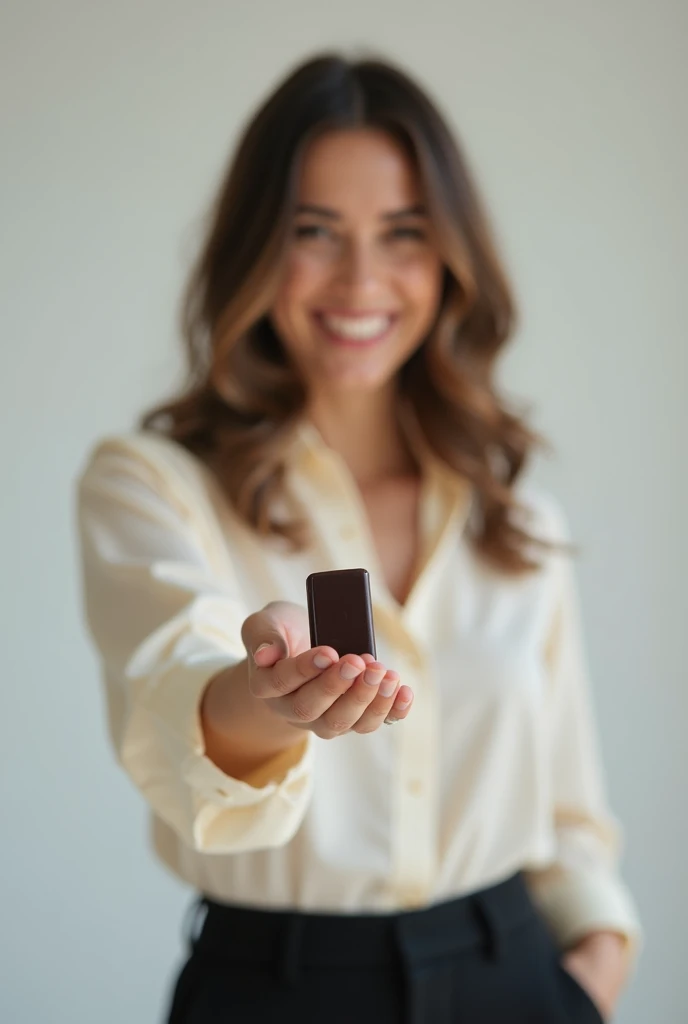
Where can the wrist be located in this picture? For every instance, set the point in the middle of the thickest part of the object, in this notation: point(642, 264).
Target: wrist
point(600, 962)
point(240, 732)
point(603, 942)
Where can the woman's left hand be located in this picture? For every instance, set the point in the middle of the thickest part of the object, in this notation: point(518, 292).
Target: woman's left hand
point(599, 962)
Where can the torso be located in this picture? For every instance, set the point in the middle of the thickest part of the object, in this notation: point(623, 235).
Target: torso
point(392, 508)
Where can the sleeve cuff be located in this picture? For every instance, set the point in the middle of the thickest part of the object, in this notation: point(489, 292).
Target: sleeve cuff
point(264, 810)
point(212, 812)
point(575, 903)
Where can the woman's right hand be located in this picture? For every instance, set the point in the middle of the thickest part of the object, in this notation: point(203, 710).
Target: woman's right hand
point(316, 689)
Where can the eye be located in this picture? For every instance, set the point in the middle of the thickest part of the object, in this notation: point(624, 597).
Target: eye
point(408, 233)
point(311, 231)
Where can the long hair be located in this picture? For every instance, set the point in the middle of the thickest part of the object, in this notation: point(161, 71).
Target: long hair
point(243, 398)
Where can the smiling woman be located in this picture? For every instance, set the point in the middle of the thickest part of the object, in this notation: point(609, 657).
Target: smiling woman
point(362, 278)
point(348, 243)
point(342, 326)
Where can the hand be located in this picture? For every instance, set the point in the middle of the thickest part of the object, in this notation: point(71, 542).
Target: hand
point(599, 963)
point(316, 689)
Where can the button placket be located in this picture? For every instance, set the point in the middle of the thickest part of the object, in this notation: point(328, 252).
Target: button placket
point(344, 534)
point(415, 828)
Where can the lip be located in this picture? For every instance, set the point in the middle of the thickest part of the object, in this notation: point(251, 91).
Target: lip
point(338, 339)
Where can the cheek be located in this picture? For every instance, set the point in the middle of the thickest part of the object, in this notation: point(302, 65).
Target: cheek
point(422, 286)
point(303, 278)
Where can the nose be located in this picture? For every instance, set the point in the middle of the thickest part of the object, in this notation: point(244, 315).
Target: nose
point(360, 270)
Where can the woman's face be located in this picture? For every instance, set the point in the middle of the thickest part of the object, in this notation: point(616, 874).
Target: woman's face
point(362, 280)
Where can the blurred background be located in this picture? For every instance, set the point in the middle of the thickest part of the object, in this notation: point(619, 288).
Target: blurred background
point(117, 120)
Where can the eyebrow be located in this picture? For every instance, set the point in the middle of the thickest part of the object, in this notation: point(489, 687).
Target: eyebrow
point(418, 210)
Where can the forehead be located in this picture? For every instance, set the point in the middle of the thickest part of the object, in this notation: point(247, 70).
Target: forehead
point(358, 171)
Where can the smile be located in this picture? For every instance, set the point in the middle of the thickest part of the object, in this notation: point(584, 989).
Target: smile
point(359, 329)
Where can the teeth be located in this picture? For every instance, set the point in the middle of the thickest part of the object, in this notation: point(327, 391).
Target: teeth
point(358, 328)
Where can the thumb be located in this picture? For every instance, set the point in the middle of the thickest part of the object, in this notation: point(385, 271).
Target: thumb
point(269, 652)
point(264, 639)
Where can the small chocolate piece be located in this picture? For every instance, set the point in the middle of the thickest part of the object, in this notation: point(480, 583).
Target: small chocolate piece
point(340, 611)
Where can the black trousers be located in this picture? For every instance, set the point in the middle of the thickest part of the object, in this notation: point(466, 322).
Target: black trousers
point(486, 958)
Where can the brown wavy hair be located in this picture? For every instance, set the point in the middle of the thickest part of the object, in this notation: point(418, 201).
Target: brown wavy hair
point(243, 398)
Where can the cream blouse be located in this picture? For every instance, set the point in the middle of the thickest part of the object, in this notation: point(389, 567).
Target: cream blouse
point(495, 770)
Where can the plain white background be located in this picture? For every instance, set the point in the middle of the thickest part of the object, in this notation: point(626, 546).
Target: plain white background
point(116, 122)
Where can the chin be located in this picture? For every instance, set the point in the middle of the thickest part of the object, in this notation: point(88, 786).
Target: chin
point(354, 378)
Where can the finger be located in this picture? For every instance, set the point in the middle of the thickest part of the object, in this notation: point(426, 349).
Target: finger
point(343, 715)
point(314, 697)
point(285, 675)
point(401, 706)
point(375, 714)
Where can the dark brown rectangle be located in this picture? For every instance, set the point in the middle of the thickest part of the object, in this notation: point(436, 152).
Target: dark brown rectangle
point(340, 611)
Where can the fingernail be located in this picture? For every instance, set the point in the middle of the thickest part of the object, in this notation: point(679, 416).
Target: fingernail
point(391, 721)
point(372, 676)
point(322, 661)
point(349, 671)
point(261, 648)
point(387, 687)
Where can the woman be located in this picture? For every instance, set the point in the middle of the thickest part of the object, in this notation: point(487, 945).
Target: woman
point(343, 324)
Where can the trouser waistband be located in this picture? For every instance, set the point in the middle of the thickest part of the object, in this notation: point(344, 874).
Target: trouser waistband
point(290, 940)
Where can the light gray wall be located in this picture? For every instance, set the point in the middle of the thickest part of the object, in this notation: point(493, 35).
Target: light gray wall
point(116, 120)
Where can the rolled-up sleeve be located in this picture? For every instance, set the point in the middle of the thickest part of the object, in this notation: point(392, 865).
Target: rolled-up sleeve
point(165, 615)
point(582, 891)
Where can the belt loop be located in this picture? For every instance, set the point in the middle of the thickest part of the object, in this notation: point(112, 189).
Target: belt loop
point(494, 936)
point(288, 963)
